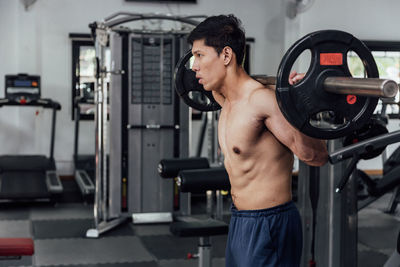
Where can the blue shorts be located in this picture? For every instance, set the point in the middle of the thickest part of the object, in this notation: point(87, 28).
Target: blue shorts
point(267, 237)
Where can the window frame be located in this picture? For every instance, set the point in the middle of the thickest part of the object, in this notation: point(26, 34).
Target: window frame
point(384, 46)
point(78, 40)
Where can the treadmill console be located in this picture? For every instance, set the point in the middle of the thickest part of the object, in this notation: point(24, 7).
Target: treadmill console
point(22, 88)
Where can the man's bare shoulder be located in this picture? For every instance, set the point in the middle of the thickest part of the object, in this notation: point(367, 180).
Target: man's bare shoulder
point(262, 98)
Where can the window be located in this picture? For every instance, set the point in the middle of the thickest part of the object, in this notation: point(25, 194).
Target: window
point(387, 58)
point(83, 74)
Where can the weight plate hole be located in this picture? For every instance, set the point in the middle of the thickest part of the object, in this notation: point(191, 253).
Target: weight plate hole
point(302, 63)
point(327, 119)
point(355, 65)
point(198, 97)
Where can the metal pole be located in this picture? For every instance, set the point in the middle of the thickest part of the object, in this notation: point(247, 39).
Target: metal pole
point(53, 132)
point(99, 151)
point(202, 135)
point(77, 118)
point(104, 116)
point(219, 212)
point(211, 137)
point(205, 257)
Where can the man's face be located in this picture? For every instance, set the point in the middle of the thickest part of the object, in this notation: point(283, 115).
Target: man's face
point(208, 65)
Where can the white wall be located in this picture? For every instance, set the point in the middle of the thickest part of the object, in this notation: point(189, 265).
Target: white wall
point(366, 20)
point(371, 20)
point(36, 41)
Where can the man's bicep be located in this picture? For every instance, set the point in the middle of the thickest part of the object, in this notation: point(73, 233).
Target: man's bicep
point(308, 149)
point(281, 129)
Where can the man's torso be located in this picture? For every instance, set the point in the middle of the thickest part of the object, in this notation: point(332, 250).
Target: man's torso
point(259, 166)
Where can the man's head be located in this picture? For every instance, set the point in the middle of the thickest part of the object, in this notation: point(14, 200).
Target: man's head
point(217, 43)
point(219, 32)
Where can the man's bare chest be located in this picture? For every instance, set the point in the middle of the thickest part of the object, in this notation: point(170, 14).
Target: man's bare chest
point(239, 130)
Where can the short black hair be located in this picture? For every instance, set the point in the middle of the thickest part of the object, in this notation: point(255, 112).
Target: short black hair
point(220, 31)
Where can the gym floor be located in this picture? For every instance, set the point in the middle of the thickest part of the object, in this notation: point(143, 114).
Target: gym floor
point(58, 232)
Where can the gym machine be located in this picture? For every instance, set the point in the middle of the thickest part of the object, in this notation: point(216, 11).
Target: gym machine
point(147, 120)
point(28, 177)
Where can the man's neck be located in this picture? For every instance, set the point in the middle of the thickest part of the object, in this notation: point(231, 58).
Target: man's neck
point(234, 83)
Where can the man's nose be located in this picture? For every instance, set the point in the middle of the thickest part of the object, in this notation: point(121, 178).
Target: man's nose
point(195, 66)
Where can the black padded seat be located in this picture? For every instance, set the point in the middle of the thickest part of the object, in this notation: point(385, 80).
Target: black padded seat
point(196, 227)
point(201, 180)
point(26, 163)
point(169, 168)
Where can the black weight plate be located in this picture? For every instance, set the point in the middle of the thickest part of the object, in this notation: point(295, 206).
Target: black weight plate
point(303, 102)
point(188, 88)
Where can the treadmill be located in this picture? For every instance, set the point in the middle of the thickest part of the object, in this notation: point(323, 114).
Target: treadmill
point(85, 165)
point(29, 177)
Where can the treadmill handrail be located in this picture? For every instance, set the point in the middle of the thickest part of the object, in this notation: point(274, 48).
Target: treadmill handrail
point(364, 146)
point(43, 102)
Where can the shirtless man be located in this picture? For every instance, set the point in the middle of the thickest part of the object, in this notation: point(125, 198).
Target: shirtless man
point(258, 146)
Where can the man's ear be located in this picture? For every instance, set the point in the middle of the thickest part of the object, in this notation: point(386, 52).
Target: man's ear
point(227, 54)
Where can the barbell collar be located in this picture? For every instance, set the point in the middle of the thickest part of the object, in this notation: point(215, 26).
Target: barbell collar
point(361, 86)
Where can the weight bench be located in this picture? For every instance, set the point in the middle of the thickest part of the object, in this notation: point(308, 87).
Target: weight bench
point(169, 169)
point(15, 248)
point(198, 181)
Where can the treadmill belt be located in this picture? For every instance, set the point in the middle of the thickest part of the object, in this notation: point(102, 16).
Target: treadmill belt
point(23, 185)
point(26, 163)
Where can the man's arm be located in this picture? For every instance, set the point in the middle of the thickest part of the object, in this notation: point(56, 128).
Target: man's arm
point(309, 150)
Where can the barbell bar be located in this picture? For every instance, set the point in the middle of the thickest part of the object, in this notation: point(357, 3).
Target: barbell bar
point(374, 87)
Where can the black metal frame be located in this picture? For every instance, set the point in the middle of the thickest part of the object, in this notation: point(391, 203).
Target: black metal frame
point(383, 45)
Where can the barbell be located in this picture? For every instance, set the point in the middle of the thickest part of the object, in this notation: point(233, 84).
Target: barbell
point(328, 102)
